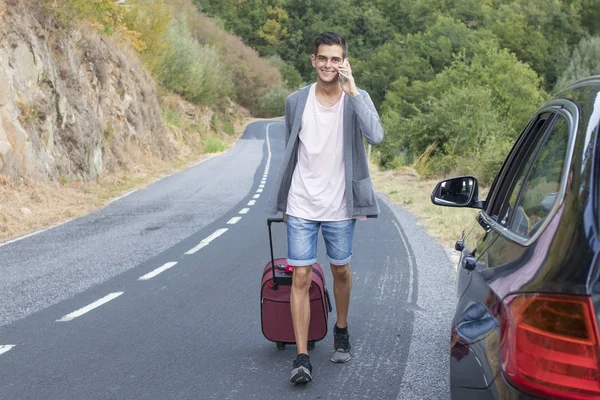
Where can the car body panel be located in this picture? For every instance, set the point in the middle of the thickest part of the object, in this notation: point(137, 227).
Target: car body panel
point(560, 254)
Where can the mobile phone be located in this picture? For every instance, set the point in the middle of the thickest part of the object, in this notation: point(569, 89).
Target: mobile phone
point(344, 64)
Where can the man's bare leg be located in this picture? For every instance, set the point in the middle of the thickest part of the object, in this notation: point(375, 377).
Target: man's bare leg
point(300, 306)
point(342, 285)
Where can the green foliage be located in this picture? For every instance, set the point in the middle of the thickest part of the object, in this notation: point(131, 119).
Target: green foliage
point(150, 19)
point(213, 145)
point(227, 126)
point(464, 118)
point(539, 32)
point(193, 71)
point(171, 117)
point(272, 104)
point(291, 77)
point(455, 81)
point(585, 62)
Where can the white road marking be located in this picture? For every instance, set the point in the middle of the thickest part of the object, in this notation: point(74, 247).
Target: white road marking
point(261, 186)
point(259, 191)
point(244, 210)
point(6, 348)
point(89, 307)
point(111, 201)
point(256, 196)
point(252, 202)
point(207, 240)
point(268, 150)
point(263, 181)
point(206, 159)
point(410, 279)
point(122, 196)
point(157, 271)
point(34, 233)
point(233, 220)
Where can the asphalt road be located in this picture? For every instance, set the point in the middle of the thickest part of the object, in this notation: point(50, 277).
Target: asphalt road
point(156, 296)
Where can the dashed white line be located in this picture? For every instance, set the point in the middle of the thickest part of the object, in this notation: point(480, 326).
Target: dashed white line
point(89, 307)
point(6, 348)
point(252, 202)
point(256, 196)
point(269, 145)
point(207, 240)
point(233, 220)
point(259, 191)
point(157, 271)
point(244, 210)
point(261, 186)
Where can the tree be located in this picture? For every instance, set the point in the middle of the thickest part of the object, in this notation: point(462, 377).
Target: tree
point(585, 62)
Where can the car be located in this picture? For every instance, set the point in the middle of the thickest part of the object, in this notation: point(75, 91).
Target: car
point(528, 277)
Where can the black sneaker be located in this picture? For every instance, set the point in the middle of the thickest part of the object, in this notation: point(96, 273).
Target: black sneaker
point(302, 369)
point(341, 345)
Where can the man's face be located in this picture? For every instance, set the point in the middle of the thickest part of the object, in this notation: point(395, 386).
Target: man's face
point(327, 61)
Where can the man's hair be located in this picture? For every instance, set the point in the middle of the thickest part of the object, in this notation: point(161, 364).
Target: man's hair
point(330, 39)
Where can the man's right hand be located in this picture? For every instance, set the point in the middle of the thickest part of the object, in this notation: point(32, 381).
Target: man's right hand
point(283, 216)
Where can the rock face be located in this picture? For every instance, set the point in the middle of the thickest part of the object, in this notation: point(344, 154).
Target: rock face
point(72, 103)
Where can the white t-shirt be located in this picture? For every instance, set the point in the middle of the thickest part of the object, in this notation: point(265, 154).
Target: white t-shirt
point(318, 188)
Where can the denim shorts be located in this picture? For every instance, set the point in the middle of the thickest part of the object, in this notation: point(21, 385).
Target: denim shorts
point(302, 240)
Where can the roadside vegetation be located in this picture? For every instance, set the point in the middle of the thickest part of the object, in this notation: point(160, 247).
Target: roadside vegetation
point(454, 81)
point(186, 51)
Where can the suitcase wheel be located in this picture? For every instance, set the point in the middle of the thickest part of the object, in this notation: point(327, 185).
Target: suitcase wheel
point(280, 345)
point(311, 345)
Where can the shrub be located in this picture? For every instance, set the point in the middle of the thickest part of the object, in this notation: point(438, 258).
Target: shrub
point(189, 69)
point(272, 104)
point(213, 145)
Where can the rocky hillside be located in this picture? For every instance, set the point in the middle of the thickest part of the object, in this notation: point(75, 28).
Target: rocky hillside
point(73, 104)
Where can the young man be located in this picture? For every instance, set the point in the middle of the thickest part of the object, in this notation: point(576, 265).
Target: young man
point(324, 183)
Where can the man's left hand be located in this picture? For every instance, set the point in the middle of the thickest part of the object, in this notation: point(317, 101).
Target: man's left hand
point(349, 86)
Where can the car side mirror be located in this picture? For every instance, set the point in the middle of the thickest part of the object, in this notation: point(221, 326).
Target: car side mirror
point(462, 191)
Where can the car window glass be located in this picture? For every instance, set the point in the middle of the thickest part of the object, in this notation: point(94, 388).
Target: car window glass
point(540, 191)
point(517, 170)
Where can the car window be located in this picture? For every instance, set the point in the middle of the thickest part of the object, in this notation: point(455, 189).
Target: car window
point(541, 190)
point(508, 183)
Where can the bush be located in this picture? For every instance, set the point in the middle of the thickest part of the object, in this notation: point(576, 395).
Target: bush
point(193, 71)
point(213, 145)
point(252, 77)
point(585, 62)
point(272, 104)
point(465, 119)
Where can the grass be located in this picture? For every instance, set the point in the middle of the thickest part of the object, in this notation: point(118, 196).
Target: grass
point(404, 187)
point(213, 145)
point(171, 117)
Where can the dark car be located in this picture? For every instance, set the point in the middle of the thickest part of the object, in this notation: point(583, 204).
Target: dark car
point(528, 283)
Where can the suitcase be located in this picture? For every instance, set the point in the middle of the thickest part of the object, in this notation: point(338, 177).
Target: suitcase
point(276, 316)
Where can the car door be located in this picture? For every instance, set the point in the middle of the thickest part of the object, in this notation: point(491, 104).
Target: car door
point(517, 210)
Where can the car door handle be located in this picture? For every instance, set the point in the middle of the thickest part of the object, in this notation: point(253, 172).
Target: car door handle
point(469, 263)
point(483, 224)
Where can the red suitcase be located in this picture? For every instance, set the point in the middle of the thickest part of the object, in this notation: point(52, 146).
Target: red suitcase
point(276, 317)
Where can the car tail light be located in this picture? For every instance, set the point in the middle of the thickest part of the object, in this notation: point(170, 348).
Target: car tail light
point(550, 346)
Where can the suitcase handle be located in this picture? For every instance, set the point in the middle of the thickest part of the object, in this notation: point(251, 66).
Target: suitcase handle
point(269, 222)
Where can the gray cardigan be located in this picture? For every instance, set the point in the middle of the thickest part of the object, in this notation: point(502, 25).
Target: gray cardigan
point(360, 119)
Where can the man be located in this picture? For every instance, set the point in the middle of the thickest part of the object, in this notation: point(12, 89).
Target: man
point(324, 183)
